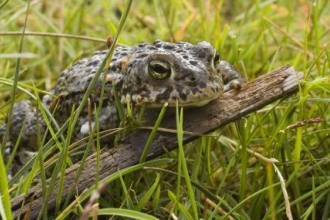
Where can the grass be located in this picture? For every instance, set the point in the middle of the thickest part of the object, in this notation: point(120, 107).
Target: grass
point(215, 177)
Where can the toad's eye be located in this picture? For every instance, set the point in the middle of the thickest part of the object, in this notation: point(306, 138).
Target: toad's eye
point(159, 70)
point(216, 59)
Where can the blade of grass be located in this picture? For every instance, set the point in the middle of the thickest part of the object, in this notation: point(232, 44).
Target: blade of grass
point(88, 192)
point(56, 35)
point(90, 89)
point(3, 4)
point(147, 196)
point(126, 194)
point(60, 167)
point(5, 206)
point(180, 207)
point(238, 206)
point(152, 134)
point(126, 213)
point(6, 197)
point(181, 157)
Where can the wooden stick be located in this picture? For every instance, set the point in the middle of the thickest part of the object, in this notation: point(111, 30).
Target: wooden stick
point(232, 106)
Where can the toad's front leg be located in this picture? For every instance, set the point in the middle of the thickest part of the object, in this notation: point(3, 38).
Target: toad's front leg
point(232, 79)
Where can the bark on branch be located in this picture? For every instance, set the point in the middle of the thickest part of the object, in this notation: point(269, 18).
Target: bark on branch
point(230, 107)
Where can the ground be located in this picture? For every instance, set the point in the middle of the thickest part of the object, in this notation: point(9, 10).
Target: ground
point(256, 37)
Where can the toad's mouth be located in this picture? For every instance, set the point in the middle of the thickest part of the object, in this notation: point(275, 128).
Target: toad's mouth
point(185, 97)
point(180, 103)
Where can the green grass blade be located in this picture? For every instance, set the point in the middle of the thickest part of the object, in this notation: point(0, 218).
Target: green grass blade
point(5, 205)
point(147, 196)
point(191, 191)
point(126, 213)
point(152, 134)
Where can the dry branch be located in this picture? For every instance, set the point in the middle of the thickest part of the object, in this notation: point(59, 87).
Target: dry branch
point(232, 106)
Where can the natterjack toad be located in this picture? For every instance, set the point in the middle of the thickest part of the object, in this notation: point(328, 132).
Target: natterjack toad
point(150, 74)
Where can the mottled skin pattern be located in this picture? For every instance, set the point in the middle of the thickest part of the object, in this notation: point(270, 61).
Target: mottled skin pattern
point(151, 74)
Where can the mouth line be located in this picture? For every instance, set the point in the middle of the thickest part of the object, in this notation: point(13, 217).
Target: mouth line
point(181, 103)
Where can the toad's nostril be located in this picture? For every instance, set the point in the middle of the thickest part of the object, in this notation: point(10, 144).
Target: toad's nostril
point(192, 79)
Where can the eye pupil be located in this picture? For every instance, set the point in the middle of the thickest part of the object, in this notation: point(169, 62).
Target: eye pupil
point(159, 70)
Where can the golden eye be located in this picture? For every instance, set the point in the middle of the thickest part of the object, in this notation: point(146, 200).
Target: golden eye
point(216, 59)
point(159, 70)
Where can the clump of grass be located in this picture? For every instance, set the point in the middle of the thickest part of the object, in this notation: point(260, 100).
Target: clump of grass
point(225, 180)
